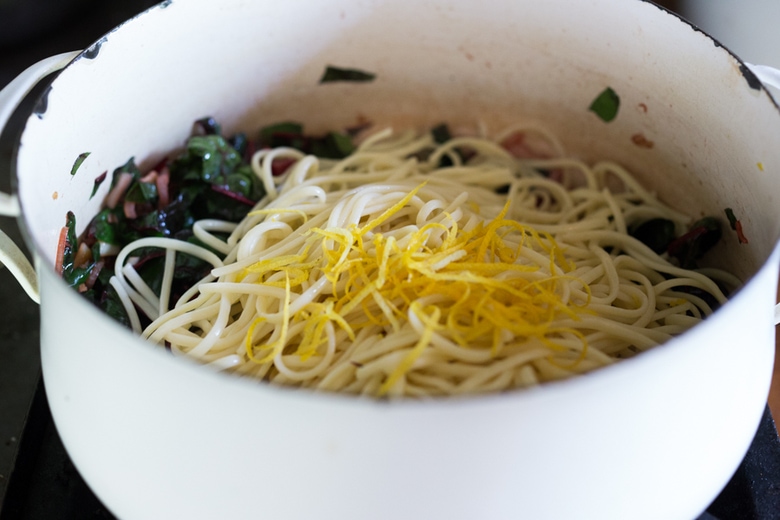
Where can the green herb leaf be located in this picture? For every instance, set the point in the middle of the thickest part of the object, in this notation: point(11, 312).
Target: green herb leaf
point(606, 105)
point(79, 160)
point(732, 218)
point(333, 74)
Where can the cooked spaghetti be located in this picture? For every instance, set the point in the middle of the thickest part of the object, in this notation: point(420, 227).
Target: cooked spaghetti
point(413, 268)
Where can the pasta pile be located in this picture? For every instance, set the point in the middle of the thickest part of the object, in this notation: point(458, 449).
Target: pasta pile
point(386, 274)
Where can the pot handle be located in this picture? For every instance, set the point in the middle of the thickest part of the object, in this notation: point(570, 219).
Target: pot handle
point(10, 97)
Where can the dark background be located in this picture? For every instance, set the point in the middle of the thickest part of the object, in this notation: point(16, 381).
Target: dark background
point(31, 30)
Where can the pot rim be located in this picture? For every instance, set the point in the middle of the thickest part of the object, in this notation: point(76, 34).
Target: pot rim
point(552, 388)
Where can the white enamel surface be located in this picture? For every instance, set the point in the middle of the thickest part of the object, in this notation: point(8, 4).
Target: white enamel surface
point(654, 437)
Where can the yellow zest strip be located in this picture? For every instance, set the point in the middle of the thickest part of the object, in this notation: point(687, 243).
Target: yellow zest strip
point(250, 351)
point(383, 250)
point(390, 211)
point(388, 309)
point(313, 335)
point(314, 330)
point(490, 232)
point(273, 264)
point(486, 294)
point(550, 344)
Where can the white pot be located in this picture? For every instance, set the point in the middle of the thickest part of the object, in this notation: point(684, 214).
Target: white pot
point(657, 436)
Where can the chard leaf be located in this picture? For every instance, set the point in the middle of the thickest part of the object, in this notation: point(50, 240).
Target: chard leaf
point(240, 182)
point(112, 306)
point(79, 161)
point(240, 143)
point(655, 233)
point(103, 229)
point(208, 157)
point(331, 146)
point(732, 218)
point(285, 127)
point(73, 276)
point(288, 133)
point(736, 225)
point(140, 192)
point(606, 105)
point(333, 74)
point(441, 133)
point(342, 143)
point(702, 236)
point(98, 181)
point(128, 167)
point(209, 126)
point(77, 275)
point(69, 252)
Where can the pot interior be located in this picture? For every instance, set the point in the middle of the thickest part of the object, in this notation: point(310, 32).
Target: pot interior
point(694, 125)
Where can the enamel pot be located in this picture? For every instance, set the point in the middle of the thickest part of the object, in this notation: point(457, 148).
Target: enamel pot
point(656, 436)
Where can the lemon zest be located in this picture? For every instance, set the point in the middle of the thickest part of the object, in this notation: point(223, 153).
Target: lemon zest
point(392, 210)
point(277, 346)
point(482, 292)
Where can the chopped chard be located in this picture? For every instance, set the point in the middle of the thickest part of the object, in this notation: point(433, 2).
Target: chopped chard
point(208, 126)
point(79, 161)
point(98, 181)
point(333, 74)
point(736, 225)
point(655, 233)
point(287, 129)
point(441, 133)
point(702, 236)
point(73, 272)
point(333, 145)
point(606, 105)
point(740, 234)
point(211, 178)
point(732, 218)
